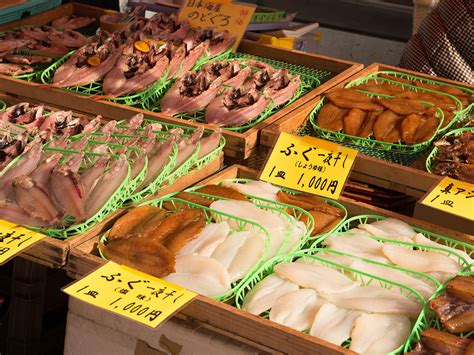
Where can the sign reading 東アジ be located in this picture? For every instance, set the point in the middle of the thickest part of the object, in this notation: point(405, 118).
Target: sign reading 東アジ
point(309, 164)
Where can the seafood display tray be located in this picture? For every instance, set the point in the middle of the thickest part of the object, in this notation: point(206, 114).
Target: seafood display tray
point(227, 320)
point(53, 252)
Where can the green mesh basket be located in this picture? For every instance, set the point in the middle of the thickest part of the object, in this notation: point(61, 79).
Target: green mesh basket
point(114, 202)
point(214, 216)
point(428, 319)
point(394, 152)
point(459, 113)
point(358, 276)
point(427, 81)
point(451, 243)
point(310, 79)
point(431, 160)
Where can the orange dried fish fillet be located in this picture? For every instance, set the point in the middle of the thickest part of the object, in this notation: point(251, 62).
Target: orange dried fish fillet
point(448, 117)
point(323, 222)
point(330, 117)
point(395, 135)
point(193, 198)
point(410, 126)
point(384, 124)
point(367, 128)
point(353, 121)
point(143, 254)
point(174, 223)
point(147, 227)
point(403, 106)
point(222, 191)
point(178, 240)
point(124, 225)
point(380, 87)
point(427, 130)
point(309, 202)
point(350, 98)
point(439, 100)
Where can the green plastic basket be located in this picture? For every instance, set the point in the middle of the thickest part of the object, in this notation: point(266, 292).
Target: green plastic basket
point(267, 14)
point(431, 160)
point(363, 219)
point(3, 105)
point(458, 113)
point(359, 276)
point(428, 319)
point(214, 216)
point(310, 79)
point(394, 152)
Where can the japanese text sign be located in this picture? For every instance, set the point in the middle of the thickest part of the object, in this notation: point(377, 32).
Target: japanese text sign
point(452, 196)
point(309, 164)
point(14, 239)
point(222, 15)
point(130, 293)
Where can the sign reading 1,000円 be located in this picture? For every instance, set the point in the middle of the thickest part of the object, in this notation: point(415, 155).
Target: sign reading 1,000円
point(309, 164)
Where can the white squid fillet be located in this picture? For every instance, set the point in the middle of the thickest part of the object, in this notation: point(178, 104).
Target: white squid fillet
point(421, 239)
point(228, 249)
point(375, 334)
point(259, 189)
point(298, 231)
point(425, 289)
point(210, 237)
point(296, 309)
point(358, 245)
point(248, 254)
point(419, 260)
point(334, 324)
point(317, 277)
point(374, 299)
point(390, 228)
point(200, 274)
point(335, 258)
point(264, 294)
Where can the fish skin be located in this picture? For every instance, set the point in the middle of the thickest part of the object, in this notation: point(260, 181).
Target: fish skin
point(133, 123)
point(72, 22)
point(7, 45)
point(26, 59)
point(106, 186)
point(14, 69)
point(35, 201)
point(190, 60)
point(47, 48)
point(13, 112)
point(69, 38)
point(25, 165)
point(11, 212)
point(187, 146)
point(280, 96)
point(137, 163)
point(42, 174)
point(67, 191)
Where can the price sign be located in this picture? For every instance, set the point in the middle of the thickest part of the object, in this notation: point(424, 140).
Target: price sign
point(221, 14)
point(309, 164)
point(130, 293)
point(452, 196)
point(14, 239)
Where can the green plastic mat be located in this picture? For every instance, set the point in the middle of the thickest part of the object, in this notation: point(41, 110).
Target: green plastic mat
point(431, 159)
point(394, 152)
point(451, 243)
point(459, 113)
point(428, 319)
point(214, 216)
point(310, 79)
point(358, 276)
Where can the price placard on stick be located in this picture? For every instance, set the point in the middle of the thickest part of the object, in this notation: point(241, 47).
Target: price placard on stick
point(309, 164)
point(221, 14)
point(452, 196)
point(130, 293)
point(14, 239)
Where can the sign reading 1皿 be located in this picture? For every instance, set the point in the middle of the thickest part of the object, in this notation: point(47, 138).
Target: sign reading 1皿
point(452, 196)
point(220, 14)
point(130, 293)
point(309, 164)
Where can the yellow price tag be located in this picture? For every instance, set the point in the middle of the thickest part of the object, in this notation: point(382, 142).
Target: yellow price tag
point(130, 293)
point(452, 196)
point(309, 164)
point(221, 14)
point(14, 239)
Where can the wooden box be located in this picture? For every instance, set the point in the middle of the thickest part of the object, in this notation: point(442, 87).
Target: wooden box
point(239, 145)
point(237, 324)
point(53, 252)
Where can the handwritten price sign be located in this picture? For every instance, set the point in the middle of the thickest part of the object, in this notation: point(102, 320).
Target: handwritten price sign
point(309, 164)
point(130, 293)
point(452, 196)
point(14, 239)
point(222, 15)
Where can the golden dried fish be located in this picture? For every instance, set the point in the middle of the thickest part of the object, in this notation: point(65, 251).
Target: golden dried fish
point(384, 124)
point(148, 226)
point(427, 129)
point(331, 117)
point(439, 100)
point(187, 196)
point(354, 121)
point(178, 240)
point(222, 191)
point(403, 106)
point(350, 98)
point(395, 78)
point(174, 223)
point(410, 125)
point(395, 135)
point(309, 202)
point(323, 222)
point(125, 224)
point(367, 128)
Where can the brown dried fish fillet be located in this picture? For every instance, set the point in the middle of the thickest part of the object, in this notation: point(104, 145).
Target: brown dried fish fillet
point(178, 240)
point(222, 191)
point(309, 202)
point(331, 117)
point(367, 129)
point(461, 287)
point(395, 135)
point(354, 121)
point(427, 129)
point(439, 100)
point(380, 87)
point(193, 198)
point(174, 223)
point(143, 254)
point(323, 222)
point(350, 98)
point(403, 106)
point(384, 124)
point(439, 342)
point(462, 323)
point(148, 226)
point(124, 225)
point(410, 125)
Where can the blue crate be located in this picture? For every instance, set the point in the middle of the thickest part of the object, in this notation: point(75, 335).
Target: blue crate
point(29, 8)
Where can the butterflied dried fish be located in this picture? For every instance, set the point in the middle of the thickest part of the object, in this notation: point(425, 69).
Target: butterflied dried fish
point(350, 98)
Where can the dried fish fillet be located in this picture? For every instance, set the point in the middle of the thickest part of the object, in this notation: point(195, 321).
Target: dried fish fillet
point(353, 121)
point(350, 98)
point(330, 117)
point(402, 106)
point(178, 240)
point(123, 227)
point(384, 124)
point(222, 191)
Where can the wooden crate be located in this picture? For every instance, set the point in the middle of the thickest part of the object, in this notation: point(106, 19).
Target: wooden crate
point(53, 252)
point(235, 323)
point(413, 181)
point(239, 145)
